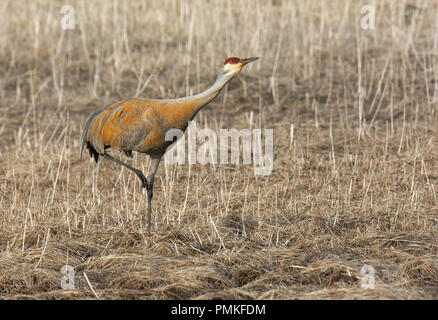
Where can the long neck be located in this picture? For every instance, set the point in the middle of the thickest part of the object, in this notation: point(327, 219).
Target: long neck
point(193, 104)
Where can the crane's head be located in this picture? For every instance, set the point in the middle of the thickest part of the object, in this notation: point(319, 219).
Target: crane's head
point(233, 65)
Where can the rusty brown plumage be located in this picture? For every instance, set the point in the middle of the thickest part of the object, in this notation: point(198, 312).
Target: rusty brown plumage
point(136, 125)
point(141, 124)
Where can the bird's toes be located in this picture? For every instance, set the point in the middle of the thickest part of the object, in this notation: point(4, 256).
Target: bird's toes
point(144, 182)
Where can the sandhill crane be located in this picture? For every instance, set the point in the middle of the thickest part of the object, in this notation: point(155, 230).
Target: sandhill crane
point(141, 124)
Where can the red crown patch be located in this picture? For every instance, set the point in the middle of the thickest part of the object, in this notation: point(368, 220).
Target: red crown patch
point(231, 60)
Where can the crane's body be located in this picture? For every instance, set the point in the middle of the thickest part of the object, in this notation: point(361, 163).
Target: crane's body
point(141, 124)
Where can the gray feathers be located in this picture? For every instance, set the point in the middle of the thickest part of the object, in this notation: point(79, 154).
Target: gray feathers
point(84, 136)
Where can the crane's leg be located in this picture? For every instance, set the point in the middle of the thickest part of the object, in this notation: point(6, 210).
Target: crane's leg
point(140, 174)
point(155, 163)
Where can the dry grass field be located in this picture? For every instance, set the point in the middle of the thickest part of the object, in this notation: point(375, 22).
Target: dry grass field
point(355, 184)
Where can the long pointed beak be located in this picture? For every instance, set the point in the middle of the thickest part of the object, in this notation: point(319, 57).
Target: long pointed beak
point(248, 60)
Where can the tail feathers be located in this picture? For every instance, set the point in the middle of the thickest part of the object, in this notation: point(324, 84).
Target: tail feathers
point(84, 136)
point(93, 152)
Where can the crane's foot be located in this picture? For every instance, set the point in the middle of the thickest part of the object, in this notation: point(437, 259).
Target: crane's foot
point(140, 174)
point(143, 179)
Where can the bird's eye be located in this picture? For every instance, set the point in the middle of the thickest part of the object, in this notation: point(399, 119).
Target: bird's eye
point(231, 60)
